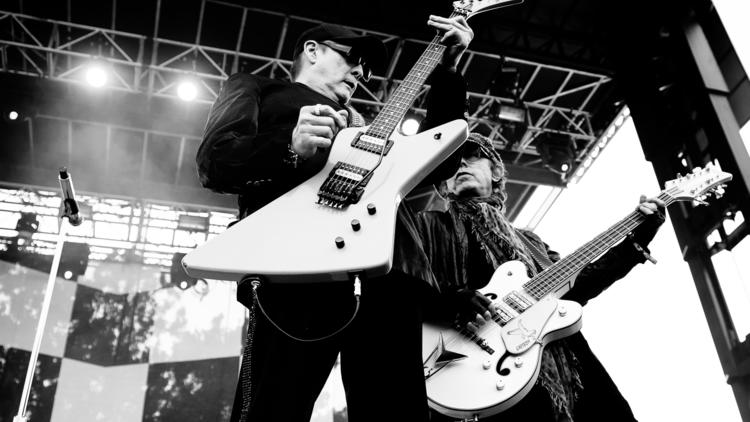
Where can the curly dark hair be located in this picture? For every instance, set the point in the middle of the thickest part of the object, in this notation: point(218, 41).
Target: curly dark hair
point(498, 185)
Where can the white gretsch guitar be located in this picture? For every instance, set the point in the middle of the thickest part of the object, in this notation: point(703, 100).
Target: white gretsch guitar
point(472, 375)
point(341, 222)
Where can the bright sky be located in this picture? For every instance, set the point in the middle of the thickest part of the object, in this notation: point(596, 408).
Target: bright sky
point(649, 329)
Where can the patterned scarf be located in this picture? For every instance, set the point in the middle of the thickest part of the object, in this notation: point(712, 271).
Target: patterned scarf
point(500, 242)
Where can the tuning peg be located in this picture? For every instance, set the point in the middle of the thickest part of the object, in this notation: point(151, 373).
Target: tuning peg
point(697, 202)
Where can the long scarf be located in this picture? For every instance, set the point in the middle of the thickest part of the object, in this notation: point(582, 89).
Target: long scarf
point(500, 242)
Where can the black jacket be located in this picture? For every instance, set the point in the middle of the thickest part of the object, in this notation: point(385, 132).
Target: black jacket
point(249, 129)
point(250, 126)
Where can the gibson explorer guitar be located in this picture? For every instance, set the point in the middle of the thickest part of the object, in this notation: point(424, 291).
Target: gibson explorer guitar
point(471, 375)
point(341, 221)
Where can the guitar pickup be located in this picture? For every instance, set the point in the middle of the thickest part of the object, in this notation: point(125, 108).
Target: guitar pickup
point(371, 143)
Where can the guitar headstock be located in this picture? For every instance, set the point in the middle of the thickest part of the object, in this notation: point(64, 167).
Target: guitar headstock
point(469, 8)
point(699, 184)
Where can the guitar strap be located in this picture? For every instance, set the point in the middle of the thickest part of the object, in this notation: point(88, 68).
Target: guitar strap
point(539, 257)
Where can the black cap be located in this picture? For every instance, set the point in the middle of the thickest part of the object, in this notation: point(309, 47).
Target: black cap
point(367, 46)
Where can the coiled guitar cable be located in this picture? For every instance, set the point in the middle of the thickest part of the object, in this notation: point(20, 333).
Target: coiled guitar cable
point(357, 293)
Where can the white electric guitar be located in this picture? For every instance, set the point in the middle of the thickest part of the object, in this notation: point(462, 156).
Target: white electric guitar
point(471, 375)
point(341, 222)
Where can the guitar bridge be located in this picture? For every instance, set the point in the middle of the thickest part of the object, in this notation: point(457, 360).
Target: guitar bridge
point(344, 185)
point(474, 338)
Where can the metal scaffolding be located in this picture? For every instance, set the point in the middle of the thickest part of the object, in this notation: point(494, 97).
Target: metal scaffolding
point(153, 65)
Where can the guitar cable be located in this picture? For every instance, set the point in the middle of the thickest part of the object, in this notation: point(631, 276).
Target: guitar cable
point(357, 293)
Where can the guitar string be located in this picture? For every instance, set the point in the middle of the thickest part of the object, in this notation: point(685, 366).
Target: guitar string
point(397, 106)
point(541, 285)
point(361, 158)
point(464, 334)
point(589, 251)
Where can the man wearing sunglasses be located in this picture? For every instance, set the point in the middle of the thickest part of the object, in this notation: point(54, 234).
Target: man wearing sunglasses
point(264, 137)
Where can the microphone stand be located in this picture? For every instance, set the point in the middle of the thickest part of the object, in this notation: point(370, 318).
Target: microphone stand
point(65, 212)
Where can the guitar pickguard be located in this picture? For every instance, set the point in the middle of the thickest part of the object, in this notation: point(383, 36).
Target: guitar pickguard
point(483, 373)
point(525, 330)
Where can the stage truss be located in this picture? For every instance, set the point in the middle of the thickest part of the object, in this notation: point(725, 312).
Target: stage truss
point(152, 65)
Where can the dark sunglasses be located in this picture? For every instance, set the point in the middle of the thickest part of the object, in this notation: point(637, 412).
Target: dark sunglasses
point(352, 57)
point(471, 150)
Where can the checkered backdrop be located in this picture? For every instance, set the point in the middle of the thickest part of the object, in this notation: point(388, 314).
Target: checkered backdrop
point(120, 347)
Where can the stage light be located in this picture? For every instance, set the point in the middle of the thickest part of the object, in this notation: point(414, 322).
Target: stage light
point(28, 224)
point(74, 260)
point(410, 125)
point(178, 276)
point(557, 153)
point(187, 91)
point(193, 223)
point(512, 113)
point(13, 115)
point(96, 76)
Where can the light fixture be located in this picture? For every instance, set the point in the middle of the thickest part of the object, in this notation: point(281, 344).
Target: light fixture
point(514, 113)
point(177, 275)
point(13, 115)
point(187, 91)
point(96, 76)
point(193, 223)
point(28, 224)
point(410, 125)
point(74, 260)
point(557, 153)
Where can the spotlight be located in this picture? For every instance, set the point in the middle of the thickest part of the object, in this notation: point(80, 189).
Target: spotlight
point(96, 76)
point(193, 223)
point(410, 125)
point(177, 274)
point(74, 260)
point(28, 223)
point(557, 153)
point(512, 113)
point(13, 115)
point(187, 91)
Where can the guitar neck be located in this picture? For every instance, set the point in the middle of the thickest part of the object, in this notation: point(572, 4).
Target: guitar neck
point(558, 274)
point(403, 98)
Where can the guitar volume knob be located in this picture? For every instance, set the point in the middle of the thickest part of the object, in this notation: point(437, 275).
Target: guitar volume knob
point(340, 242)
point(500, 385)
point(486, 365)
point(518, 362)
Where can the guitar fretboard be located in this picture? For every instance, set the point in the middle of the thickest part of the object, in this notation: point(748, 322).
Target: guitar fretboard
point(403, 97)
point(551, 279)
